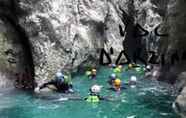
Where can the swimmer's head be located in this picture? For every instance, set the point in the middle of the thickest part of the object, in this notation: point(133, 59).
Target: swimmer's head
point(120, 66)
point(93, 70)
point(133, 78)
point(148, 67)
point(130, 65)
point(113, 76)
point(59, 74)
point(96, 88)
point(113, 65)
point(117, 82)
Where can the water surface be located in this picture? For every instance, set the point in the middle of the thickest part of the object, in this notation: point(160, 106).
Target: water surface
point(150, 99)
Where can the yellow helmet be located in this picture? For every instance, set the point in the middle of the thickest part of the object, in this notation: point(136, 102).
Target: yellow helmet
point(93, 70)
point(119, 66)
point(117, 82)
point(130, 65)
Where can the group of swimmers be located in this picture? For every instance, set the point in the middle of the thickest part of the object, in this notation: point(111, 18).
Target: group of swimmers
point(115, 78)
point(62, 82)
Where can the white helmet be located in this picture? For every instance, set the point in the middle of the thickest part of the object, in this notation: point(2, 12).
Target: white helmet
point(59, 74)
point(113, 75)
point(96, 89)
point(148, 67)
point(133, 78)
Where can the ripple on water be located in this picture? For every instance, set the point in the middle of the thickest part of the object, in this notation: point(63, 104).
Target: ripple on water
point(164, 114)
point(149, 99)
point(48, 107)
point(133, 116)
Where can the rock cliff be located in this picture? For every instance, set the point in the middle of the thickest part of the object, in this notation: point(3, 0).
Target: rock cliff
point(65, 34)
point(69, 34)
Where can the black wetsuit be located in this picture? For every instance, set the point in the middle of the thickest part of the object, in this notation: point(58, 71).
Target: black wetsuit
point(61, 86)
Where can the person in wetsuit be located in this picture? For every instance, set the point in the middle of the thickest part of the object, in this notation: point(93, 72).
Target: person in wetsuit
point(61, 82)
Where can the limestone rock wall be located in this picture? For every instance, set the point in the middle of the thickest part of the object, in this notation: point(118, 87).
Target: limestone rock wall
point(65, 34)
point(13, 60)
point(176, 43)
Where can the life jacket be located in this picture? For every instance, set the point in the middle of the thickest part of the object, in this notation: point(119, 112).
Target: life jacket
point(117, 70)
point(67, 79)
point(88, 73)
point(93, 98)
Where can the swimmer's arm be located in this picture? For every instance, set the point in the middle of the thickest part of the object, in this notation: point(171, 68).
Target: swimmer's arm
point(101, 98)
point(75, 98)
point(48, 83)
point(107, 98)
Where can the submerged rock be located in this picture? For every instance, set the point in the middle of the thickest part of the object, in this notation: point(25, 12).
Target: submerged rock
point(180, 104)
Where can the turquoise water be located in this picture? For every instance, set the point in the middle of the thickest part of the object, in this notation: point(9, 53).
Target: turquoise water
point(150, 99)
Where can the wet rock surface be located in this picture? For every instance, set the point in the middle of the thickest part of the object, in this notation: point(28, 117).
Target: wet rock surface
point(174, 49)
point(65, 34)
point(16, 65)
point(13, 58)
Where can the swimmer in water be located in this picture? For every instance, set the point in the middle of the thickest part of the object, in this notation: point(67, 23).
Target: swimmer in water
point(112, 77)
point(94, 94)
point(92, 74)
point(133, 81)
point(61, 83)
point(117, 85)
